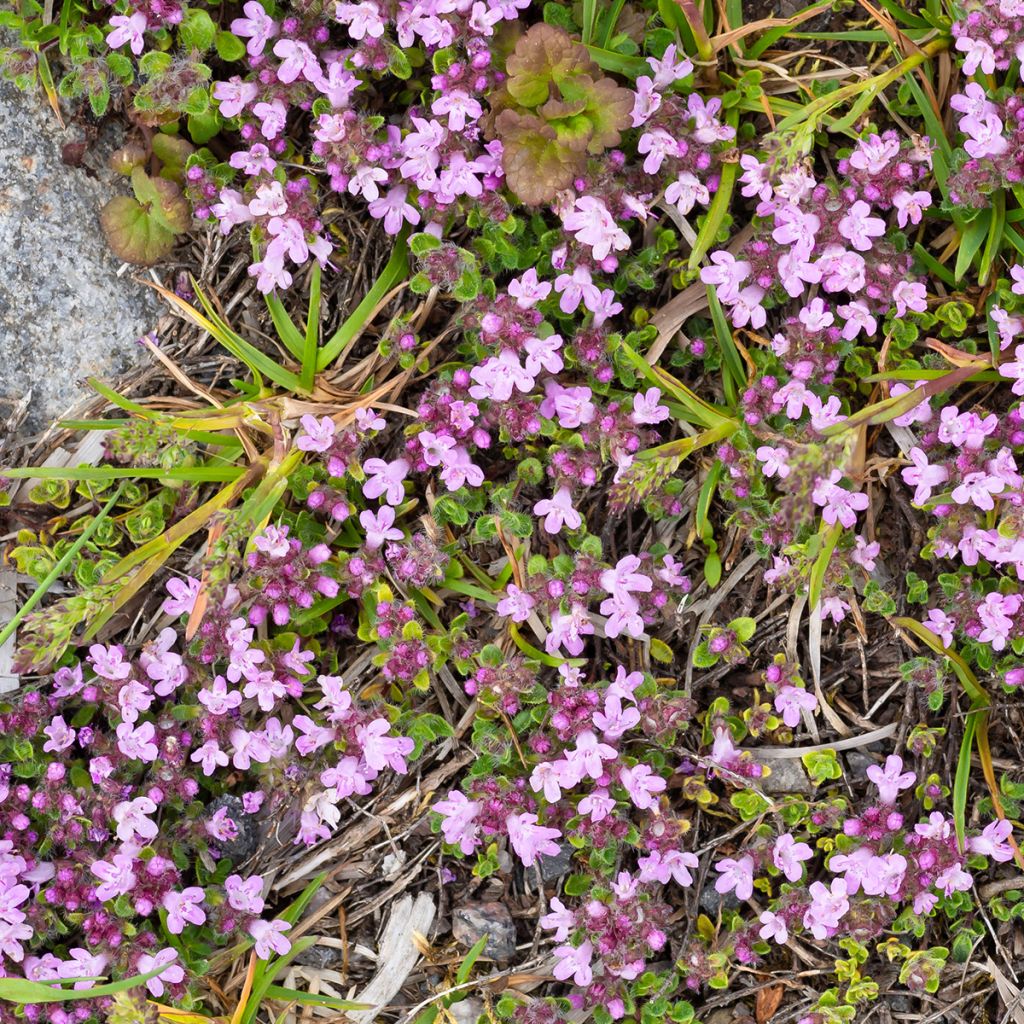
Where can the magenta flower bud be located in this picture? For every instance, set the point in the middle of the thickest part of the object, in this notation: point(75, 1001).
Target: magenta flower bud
point(319, 554)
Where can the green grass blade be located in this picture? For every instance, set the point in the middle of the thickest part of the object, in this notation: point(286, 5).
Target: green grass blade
point(22, 991)
point(257, 361)
point(290, 335)
point(589, 18)
point(962, 780)
point(732, 361)
point(394, 271)
point(719, 208)
point(970, 242)
point(191, 474)
point(311, 341)
point(610, 21)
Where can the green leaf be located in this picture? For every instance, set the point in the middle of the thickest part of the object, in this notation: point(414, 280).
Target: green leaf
point(349, 332)
point(970, 242)
point(229, 46)
point(203, 127)
point(462, 974)
point(743, 628)
point(197, 30)
point(661, 651)
point(22, 991)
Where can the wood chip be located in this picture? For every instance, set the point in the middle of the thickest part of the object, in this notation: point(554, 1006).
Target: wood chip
point(397, 954)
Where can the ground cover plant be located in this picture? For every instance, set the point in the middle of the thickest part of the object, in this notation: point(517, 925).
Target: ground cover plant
point(627, 565)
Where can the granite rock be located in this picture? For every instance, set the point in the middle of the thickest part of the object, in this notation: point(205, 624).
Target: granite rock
point(64, 312)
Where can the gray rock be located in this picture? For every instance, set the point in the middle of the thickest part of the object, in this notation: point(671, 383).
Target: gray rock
point(320, 957)
point(64, 313)
point(711, 901)
point(555, 865)
point(472, 921)
point(787, 776)
point(244, 845)
point(467, 1011)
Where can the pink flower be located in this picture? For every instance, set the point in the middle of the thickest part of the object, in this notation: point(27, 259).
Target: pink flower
point(592, 224)
point(517, 604)
point(116, 878)
point(210, 756)
point(726, 273)
point(380, 750)
point(992, 842)
point(575, 288)
point(838, 504)
point(923, 476)
point(891, 779)
point(642, 785)
point(137, 743)
point(859, 227)
point(747, 308)
point(531, 840)
point(574, 962)
point(673, 864)
point(171, 973)
point(183, 908)
point(791, 700)
point(941, 625)
point(297, 60)
point(269, 937)
point(128, 29)
point(560, 919)
point(558, 512)
point(588, 756)
point(499, 376)
point(977, 489)
point(273, 116)
point(775, 461)
point(667, 70)
point(379, 526)
point(459, 469)
point(543, 353)
point(459, 106)
point(910, 206)
point(909, 295)
point(597, 805)
point(234, 95)
point(568, 630)
point(60, 736)
point(615, 721)
point(773, 927)
point(257, 26)
point(386, 478)
point(1017, 273)
point(864, 554)
point(394, 209)
point(458, 822)
point(647, 407)
point(363, 19)
point(317, 435)
point(736, 874)
point(244, 895)
point(833, 607)
point(828, 906)
point(858, 318)
point(527, 290)
point(788, 856)
point(571, 406)
point(686, 191)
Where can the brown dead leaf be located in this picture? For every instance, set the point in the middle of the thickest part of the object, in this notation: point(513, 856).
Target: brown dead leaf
point(767, 1003)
